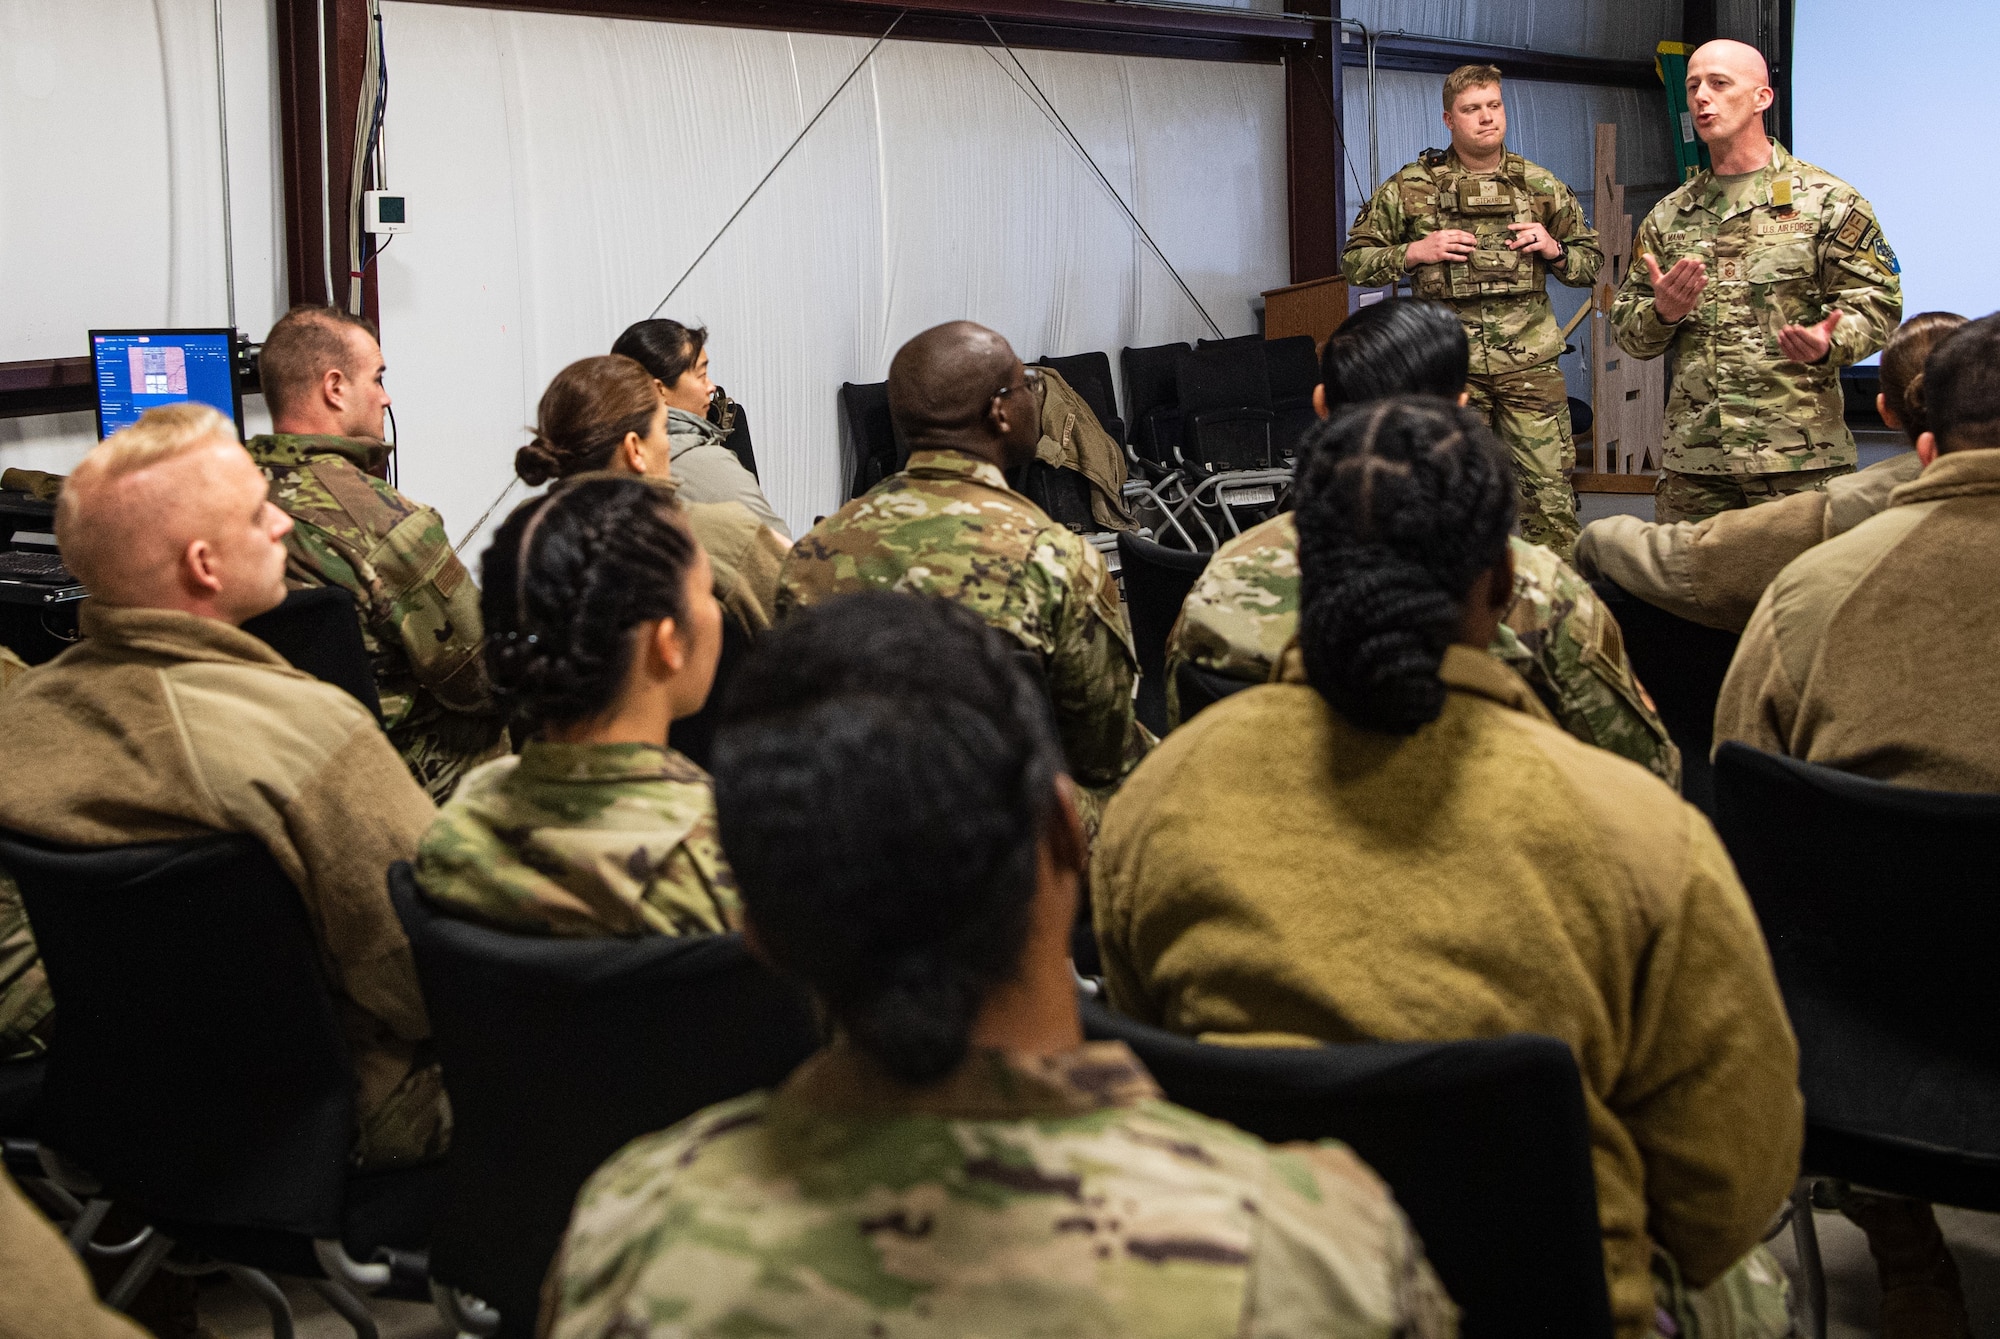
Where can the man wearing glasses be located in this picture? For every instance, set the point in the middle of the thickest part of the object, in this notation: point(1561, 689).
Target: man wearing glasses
point(948, 525)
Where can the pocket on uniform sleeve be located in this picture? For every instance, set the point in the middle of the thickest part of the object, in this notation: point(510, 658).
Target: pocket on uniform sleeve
point(436, 608)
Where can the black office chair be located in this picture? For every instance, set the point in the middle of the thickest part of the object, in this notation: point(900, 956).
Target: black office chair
point(201, 1075)
point(1198, 688)
point(1152, 403)
point(864, 408)
point(1224, 393)
point(1089, 375)
point(738, 440)
point(1293, 364)
point(1063, 495)
point(318, 630)
point(694, 736)
point(1157, 582)
point(21, 1095)
point(1485, 1144)
point(1881, 905)
point(558, 1052)
point(1682, 665)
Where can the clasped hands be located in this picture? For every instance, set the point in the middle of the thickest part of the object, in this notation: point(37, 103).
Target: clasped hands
point(1677, 291)
point(1455, 245)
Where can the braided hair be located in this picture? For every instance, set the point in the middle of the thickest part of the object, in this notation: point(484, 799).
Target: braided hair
point(568, 578)
point(1402, 503)
point(883, 775)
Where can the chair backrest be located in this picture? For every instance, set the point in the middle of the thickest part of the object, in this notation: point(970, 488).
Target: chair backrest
point(1198, 688)
point(1682, 665)
point(1485, 1144)
point(739, 442)
point(1157, 582)
point(1293, 365)
point(319, 631)
point(1881, 905)
point(558, 1052)
point(1064, 495)
point(1089, 375)
point(200, 1071)
point(1152, 412)
point(694, 736)
point(1223, 374)
point(864, 407)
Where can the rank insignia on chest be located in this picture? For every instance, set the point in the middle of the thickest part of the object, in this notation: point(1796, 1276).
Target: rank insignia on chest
point(1781, 193)
point(1729, 269)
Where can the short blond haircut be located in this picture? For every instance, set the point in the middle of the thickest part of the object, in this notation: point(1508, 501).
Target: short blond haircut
point(160, 435)
point(1468, 76)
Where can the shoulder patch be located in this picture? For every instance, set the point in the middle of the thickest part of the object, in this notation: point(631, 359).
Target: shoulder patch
point(1885, 254)
point(1852, 228)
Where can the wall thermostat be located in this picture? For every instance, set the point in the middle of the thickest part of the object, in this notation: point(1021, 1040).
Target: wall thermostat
point(384, 211)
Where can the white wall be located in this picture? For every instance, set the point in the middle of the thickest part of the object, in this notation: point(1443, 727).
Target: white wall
point(563, 172)
point(111, 183)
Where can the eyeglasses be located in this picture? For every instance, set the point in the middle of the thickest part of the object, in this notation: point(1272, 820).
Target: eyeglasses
point(1031, 380)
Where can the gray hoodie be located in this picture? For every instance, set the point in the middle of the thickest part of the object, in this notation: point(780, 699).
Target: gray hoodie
point(708, 471)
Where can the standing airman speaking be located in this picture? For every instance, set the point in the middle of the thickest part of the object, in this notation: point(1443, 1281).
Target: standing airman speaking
point(1766, 276)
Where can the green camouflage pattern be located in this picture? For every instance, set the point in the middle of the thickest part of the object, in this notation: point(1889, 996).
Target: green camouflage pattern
point(1510, 326)
point(1053, 1196)
point(1244, 610)
point(949, 526)
point(1529, 411)
point(1737, 406)
point(1752, 1300)
point(411, 1125)
point(26, 1007)
point(418, 605)
point(27, 1010)
point(581, 840)
point(1696, 497)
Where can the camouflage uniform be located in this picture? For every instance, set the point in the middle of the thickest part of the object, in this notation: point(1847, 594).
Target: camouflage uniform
point(419, 608)
point(583, 839)
point(27, 1010)
point(1502, 296)
point(1784, 246)
point(948, 525)
point(1244, 610)
point(1054, 1196)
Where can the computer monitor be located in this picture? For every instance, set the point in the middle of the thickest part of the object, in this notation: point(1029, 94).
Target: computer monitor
point(138, 369)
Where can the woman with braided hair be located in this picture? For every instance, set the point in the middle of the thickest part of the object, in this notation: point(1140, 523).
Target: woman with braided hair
point(602, 629)
point(609, 413)
point(1394, 841)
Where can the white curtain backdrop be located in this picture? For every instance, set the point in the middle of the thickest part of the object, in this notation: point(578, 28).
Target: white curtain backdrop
point(563, 173)
point(111, 184)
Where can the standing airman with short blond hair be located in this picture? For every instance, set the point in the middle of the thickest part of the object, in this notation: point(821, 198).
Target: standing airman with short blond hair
point(1483, 229)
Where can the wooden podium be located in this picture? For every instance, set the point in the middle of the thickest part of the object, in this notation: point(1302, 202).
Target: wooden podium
point(1315, 307)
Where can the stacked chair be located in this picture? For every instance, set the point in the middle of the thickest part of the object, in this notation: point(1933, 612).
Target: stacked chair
point(1228, 443)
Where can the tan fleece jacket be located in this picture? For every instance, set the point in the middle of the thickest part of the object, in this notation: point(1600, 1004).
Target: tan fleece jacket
point(161, 725)
point(1875, 653)
point(1272, 868)
point(1714, 571)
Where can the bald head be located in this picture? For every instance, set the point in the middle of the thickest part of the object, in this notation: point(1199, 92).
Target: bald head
point(1745, 62)
point(1728, 88)
point(960, 387)
point(172, 514)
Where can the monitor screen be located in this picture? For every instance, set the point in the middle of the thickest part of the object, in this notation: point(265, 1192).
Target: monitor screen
point(137, 369)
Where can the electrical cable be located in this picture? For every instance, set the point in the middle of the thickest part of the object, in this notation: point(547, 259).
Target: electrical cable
point(222, 129)
point(368, 114)
point(325, 172)
point(1077, 144)
point(796, 140)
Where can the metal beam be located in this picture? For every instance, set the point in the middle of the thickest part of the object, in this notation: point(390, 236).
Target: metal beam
point(1441, 55)
point(1052, 25)
point(1314, 195)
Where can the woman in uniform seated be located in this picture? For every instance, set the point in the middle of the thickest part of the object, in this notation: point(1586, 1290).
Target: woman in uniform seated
point(602, 629)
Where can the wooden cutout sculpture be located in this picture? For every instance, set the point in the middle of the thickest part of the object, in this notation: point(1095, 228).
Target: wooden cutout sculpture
point(1628, 396)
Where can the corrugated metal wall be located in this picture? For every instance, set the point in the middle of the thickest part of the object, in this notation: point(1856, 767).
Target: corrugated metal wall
point(1612, 29)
